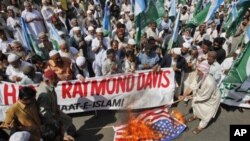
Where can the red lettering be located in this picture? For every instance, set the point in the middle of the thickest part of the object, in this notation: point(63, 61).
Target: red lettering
point(155, 78)
point(96, 88)
point(166, 79)
point(85, 88)
point(148, 81)
point(66, 87)
point(130, 83)
point(8, 93)
point(77, 89)
point(141, 81)
point(120, 84)
point(112, 85)
point(160, 77)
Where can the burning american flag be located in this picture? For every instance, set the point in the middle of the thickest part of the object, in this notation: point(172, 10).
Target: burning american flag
point(150, 125)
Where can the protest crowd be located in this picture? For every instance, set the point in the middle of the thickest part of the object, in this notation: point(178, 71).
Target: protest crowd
point(46, 41)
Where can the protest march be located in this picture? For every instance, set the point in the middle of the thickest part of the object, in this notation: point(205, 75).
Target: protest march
point(61, 58)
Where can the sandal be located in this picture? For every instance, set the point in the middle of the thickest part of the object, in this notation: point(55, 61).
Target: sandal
point(197, 130)
point(192, 119)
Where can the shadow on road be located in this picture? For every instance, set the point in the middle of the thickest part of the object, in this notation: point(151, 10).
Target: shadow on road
point(89, 131)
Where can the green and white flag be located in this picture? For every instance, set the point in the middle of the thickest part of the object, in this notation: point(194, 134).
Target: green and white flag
point(154, 10)
point(236, 85)
point(198, 7)
point(243, 7)
point(200, 17)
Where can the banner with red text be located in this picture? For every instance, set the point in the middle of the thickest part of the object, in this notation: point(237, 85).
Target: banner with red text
point(143, 89)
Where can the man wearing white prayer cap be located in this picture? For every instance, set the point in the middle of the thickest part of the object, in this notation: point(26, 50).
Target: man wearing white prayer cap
point(99, 46)
point(67, 51)
point(53, 53)
point(185, 50)
point(20, 136)
point(82, 68)
point(90, 28)
point(205, 98)
point(15, 67)
point(88, 39)
point(131, 45)
point(76, 30)
point(18, 49)
point(62, 66)
point(99, 30)
point(176, 61)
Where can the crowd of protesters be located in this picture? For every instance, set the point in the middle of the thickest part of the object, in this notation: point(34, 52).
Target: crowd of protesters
point(85, 51)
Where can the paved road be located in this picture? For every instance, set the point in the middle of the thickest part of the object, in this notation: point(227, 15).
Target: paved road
point(98, 128)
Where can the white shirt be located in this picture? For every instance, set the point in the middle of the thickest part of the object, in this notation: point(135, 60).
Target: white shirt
point(47, 13)
point(11, 71)
point(5, 46)
point(126, 7)
point(184, 18)
point(17, 31)
point(150, 33)
point(226, 64)
point(215, 71)
point(90, 53)
point(100, 55)
point(35, 27)
point(212, 33)
point(71, 54)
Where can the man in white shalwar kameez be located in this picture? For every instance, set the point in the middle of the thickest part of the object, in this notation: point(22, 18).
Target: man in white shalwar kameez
point(206, 100)
point(14, 24)
point(34, 20)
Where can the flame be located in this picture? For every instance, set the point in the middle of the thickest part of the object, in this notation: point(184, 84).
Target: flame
point(139, 131)
point(178, 116)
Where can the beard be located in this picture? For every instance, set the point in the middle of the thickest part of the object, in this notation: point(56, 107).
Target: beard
point(77, 39)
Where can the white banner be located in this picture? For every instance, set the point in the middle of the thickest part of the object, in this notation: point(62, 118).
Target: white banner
point(143, 89)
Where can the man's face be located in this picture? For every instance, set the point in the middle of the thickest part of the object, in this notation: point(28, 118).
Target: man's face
point(53, 82)
point(204, 49)
point(199, 73)
point(216, 45)
point(213, 25)
point(153, 26)
point(115, 46)
point(202, 28)
point(17, 48)
point(99, 35)
point(131, 47)
point(112, 56)
point(3, 36)
point(29, 7)
point(78, 33)
point(166, 18)
point(91, 32)
point(121, 32)
point(147, 51)
point(184, 50)
point(16, 64)
point(210, 59)
point(43, 39)
point(74, 23)
point(64, 48)
point(10, 13)
point(57, 59)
